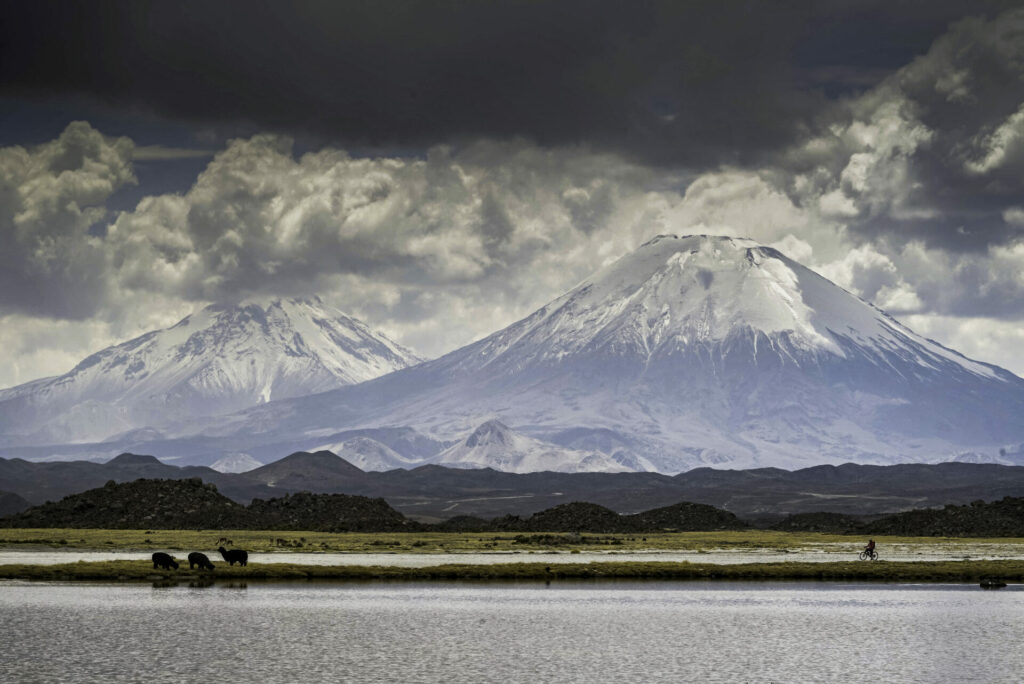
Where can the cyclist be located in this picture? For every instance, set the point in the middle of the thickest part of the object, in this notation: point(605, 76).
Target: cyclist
point(870, 548)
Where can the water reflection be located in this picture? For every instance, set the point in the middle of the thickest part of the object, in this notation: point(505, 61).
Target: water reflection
point(460, 632)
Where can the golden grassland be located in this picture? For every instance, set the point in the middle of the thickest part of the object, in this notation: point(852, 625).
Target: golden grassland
point(142, 571)
point(460, 542)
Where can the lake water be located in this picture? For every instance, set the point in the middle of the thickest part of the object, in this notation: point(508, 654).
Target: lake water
point(507, 632)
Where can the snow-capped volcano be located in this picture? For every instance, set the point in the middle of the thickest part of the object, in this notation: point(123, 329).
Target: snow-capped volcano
point(692, 295)
point(691, 351)
point(217, 360)
point(495, 445)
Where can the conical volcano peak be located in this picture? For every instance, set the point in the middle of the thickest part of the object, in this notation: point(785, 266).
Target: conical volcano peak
point(490, 432)
point(698, 288)
point(690, 239)
point(707, 297)
point(674, 293)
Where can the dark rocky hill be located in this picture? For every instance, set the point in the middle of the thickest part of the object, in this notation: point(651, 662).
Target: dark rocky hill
point(322, 471)
point(191, 504)
point(329, 513)
point(1003, 518)
point(687, 517)
point(142, 504)
point(578, 516)
point(12, 503)
point(188, 503)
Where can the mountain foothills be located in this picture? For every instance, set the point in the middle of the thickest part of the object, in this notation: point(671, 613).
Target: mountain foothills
point(219, 360)
point(433, 493)
point(190, 503)
point(691, 351)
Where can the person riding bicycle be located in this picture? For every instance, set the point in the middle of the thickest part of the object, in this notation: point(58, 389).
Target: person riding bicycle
point(870, 548)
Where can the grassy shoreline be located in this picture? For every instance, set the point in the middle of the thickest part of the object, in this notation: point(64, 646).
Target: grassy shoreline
point(456, 542)
point(922, 571)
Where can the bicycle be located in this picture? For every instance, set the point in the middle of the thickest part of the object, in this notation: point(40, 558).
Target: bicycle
point(865, 555)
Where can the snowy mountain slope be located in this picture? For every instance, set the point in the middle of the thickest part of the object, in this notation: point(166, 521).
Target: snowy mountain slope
point(494, 445)
point(217, 360)
point(692, 351)
point(369, 455)
point(236, 463)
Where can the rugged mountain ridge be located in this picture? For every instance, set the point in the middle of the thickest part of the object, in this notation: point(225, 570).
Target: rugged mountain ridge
point(218, 360)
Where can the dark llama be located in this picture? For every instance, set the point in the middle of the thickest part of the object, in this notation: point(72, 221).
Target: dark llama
point(164, 561)
point(234, 556)
point(195, 558)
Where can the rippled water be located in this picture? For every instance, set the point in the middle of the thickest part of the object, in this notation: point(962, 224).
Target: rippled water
point(460, 632)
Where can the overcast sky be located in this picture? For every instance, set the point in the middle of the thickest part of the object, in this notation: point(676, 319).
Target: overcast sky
point(441, 169)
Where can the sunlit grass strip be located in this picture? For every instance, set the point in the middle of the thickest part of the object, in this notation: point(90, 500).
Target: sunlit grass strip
point(936, 571)
point(441, 542)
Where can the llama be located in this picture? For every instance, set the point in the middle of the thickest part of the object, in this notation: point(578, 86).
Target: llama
point(195, 558)
point(164, 561)
point(234, 555)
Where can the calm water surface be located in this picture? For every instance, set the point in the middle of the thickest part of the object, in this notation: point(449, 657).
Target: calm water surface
point(460, 632)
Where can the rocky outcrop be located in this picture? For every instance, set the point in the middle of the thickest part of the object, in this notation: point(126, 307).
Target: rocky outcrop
point(191, 504)
point(687, 517)
point(578, 516)
point(329, 513)
point(1003, 518)
point(142, 504)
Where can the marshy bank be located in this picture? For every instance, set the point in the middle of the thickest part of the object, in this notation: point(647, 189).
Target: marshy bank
point(312, 542)
point(879, 571)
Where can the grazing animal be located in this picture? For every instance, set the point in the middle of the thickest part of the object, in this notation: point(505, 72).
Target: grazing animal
point(195, 558)
point(162, 560)
point(234, 556)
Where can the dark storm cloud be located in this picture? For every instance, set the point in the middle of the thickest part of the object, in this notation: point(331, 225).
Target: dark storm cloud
point(696, 83)
point(50, 196)
point(442, 169)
